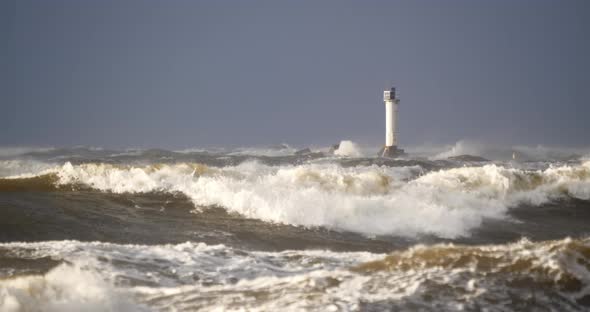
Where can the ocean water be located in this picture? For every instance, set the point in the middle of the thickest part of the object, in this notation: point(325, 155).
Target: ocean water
point(263, 229)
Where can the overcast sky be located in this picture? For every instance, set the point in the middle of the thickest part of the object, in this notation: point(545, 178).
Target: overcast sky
point(234, 73)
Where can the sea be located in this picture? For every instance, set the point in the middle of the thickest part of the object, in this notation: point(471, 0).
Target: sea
point(464, 227)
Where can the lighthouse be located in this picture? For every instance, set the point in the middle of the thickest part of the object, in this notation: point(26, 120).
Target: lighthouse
point(391, 107)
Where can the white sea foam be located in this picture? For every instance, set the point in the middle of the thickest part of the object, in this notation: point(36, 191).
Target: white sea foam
point(64, 288)
point(195, 276)
point(109, 277)
point(366, 199)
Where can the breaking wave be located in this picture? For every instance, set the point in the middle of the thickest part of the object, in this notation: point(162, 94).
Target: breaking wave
point(373, 200)
point(64, 288)
point(553, 275)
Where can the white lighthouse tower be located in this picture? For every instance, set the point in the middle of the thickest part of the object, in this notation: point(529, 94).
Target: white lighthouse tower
point(391, 106)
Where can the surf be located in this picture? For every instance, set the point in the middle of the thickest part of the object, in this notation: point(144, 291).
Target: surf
point(372, 200)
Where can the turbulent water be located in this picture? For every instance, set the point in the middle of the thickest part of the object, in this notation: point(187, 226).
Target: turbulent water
point(86, 229)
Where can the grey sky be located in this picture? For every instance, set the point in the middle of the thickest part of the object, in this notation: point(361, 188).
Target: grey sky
point(235, 73)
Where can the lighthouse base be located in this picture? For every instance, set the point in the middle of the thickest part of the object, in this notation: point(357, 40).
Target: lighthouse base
point(391, 152)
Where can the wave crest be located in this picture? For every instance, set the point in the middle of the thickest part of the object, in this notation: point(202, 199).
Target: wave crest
point(64, 288)
point(530, 276)
point(553, 273)
point(367, 199)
